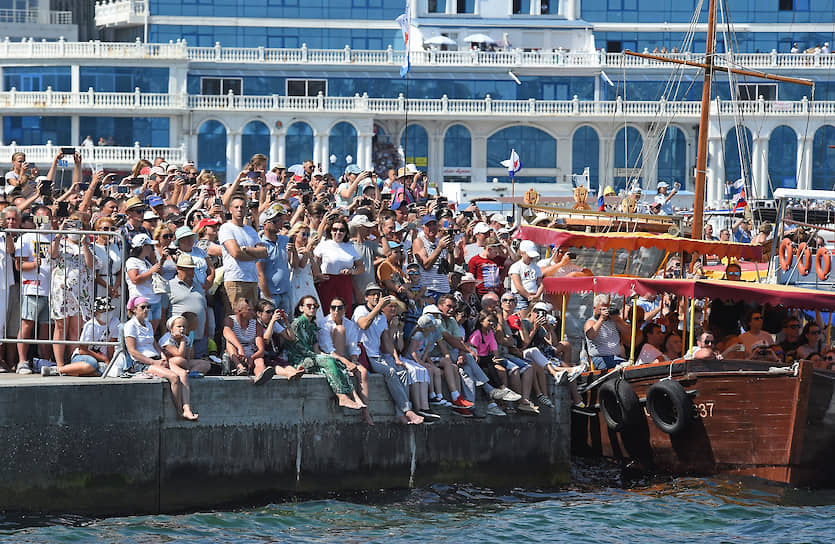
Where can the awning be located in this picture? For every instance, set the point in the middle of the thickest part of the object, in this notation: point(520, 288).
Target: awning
point(791, 297)
point(633, 240)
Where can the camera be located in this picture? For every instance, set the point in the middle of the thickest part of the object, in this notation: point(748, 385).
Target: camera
point(572, 255)
point(83, 186)
point(614, 311)
point(67, 151)
point(123, 189)
point(366, 202)
point(134, 181)
point(253, 175)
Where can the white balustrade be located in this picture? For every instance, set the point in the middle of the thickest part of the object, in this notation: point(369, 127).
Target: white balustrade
point(109, 156)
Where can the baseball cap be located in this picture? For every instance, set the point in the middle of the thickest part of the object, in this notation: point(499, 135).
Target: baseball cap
point(149, 215)
point(142, 240)
point(360, 220)
point(425, 321)
point(663, 184)
point(155, 201)
point(207, 222)
point(394, 245)
point(183, 232)
point(499, 218)
point(428, 219)
point(481, 228)
point(529, 247)
point(353, 169)
point(542, 306)
point(432, 309)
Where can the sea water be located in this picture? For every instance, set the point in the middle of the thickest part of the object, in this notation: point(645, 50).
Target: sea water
point(691, 510)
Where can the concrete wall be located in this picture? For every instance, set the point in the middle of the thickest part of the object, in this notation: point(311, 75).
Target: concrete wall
point(116, 446)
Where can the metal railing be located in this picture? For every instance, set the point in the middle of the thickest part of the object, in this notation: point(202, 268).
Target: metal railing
point(35, 16)
point(559, 59)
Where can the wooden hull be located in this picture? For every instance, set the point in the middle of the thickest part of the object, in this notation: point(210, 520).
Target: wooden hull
point(744, 421)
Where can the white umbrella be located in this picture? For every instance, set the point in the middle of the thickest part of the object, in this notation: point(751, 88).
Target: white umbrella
point(479, 38)
point(440, 40)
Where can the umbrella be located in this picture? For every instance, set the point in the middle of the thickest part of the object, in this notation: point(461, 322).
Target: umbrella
point(479, 38)
point(439, 40)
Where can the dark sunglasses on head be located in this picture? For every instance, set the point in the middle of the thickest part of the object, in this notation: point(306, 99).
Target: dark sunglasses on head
point(337, 307)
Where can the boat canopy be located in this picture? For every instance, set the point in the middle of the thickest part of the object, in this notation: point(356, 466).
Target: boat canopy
point(791, 297)
point(635, 240)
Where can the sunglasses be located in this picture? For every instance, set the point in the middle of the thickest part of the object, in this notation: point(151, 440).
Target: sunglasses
point(337, 230)
point(414, 273)
point(756, 317)
point(733, 273)
point(793, 326)
point(312, 306)
point(337, 307)
point(508, 300)
point(142, 307)
point(708, 342)
point(167, 236)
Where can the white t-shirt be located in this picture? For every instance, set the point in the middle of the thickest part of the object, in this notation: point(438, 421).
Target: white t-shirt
point(93, 331)
point(144, 289)
point(564, 270)
point(6, 266)
point(144, 337)
point(648, 354)
point(529, 275)
point(234, 270)
point(336, 256)
point(37, 281)
point(370, 337)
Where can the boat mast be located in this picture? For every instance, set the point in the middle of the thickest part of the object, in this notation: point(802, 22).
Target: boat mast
point(701, 154)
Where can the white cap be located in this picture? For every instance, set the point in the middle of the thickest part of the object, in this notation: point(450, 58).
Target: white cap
point(432, 309)
point(662, 184)
point(542, 306)
point(360, 220)
point(481, 228)
point(498, 218)
point(149, 215)
point(142, 240)
point(527, 246)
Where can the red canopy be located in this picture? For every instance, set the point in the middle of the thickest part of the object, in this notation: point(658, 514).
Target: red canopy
point(791, 297)
point(633, 240)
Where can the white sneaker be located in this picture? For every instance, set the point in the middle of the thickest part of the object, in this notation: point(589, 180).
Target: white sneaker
point(49, 371)
point(494, 410)
point(23, 368)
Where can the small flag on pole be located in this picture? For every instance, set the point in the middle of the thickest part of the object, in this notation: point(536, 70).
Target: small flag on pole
point(405, 22)
point(737, 190)
point(601, 202)
point(513, 164)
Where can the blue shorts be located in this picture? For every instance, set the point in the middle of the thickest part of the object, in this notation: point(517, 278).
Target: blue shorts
point(89, 359)
point(156, 311)
point(35, 308)
point(512, 363)
point(606, 362)
point(521, 302)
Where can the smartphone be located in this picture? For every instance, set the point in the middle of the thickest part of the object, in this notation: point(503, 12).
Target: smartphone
point(46, 188)
point(67, 151)
point(134, 181)
point(218, 202)
point(253, 175)
point(83, 186)
point(123, 189)
point(63, 209)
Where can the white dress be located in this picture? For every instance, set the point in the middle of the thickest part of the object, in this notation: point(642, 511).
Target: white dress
point(301, 285)
point(72, 283)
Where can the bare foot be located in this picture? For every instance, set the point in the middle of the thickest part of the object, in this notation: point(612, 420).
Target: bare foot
point(413, 418)
point(346, 402)
point(188, 414)
point(366, 416)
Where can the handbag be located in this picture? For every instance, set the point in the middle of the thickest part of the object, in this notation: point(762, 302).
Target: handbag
point(159, 284)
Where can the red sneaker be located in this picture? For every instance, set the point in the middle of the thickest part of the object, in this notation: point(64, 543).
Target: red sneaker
point(462, 403)
point(463, 412)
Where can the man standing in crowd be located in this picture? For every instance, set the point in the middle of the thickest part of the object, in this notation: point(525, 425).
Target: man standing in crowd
point(187, 296)
point(241, 248)
point(274, 271)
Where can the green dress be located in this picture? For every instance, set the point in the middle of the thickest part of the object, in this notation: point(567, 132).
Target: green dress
point(301, 352)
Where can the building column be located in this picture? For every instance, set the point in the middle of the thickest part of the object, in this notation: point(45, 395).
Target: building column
point(277, 146)
point(649, 158)
point(804, 162)
point(435, 156)
point(564, 156)
point(536, 7)
point(606, 160)
point(715, 175)
point(478, 152)
point(75, 78)
point(364, 150)
point(75, 130)
point(317, 150)
point(760, 167)
point(233, 154)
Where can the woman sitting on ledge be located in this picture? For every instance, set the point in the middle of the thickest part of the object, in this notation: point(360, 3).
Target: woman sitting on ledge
point(305, 354)
point(148, 357)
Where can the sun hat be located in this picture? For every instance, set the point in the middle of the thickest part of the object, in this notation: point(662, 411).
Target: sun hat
point(360, 220)
point(372, 287)
point(468, 278)
point(149, 215)
point(432, 309)
point(102, 304)
point(183, 232)
point(134, 202)
point(185, 261)
point(498, 218)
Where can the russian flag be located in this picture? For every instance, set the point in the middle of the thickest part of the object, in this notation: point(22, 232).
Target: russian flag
point(601, 203)
point(405, 21)
point(739, 200)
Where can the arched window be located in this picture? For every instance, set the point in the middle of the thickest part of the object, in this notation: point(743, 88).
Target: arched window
point(536, 148)
point(585, 152)
point(255, 138)
point(298, 143)
point(628, 144)
point(415, 143)
point(782, 159)
point(342, 142)
point(733, 169)
point(672, 158)
point(823, 159)
point(457, 147)
point(211, 147)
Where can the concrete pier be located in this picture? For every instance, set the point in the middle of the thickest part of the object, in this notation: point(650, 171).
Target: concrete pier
point(114, 446)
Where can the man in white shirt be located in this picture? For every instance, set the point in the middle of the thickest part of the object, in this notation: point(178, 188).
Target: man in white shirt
point(526, 276)
point(664, 197)
point(241, 249)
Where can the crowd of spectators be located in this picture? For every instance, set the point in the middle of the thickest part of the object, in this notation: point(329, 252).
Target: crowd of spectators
point(279, 271)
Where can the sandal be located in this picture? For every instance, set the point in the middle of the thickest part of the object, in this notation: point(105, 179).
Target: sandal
point(240, 371)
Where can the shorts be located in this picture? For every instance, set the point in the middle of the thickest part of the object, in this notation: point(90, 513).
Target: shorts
point(155, 312)
point(521, 302)
point(35, 308)
point(240, 289)
point(90, 360)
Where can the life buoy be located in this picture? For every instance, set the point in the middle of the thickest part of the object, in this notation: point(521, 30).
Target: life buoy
point(785, 254)
point(804, 259)
point(619, 405)
point(669, 406)
point(822, 268)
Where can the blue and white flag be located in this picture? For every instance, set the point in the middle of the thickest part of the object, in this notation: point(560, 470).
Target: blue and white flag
point(513, 164)
point(601, 202)
point(405, 22)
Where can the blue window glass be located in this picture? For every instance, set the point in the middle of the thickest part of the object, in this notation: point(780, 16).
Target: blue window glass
point(299, 143)
point(457, 147)
point(536, 148)
point(37, 78)
point(211, 147)
point(823, 159)
point(255, 138)
point(672, 157)
point(37, 130)
point(585, 152)
point(628, 144)
point(782, 159)
point(342, 142)
point(733, 165)
point(125, 131)
point(415, 143)
point(113, 79)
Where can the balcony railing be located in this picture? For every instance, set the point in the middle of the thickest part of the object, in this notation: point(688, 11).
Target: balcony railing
point(35, 16)
point(556, 59)
point(108, 156)
point(120, 12)
point(16, 101)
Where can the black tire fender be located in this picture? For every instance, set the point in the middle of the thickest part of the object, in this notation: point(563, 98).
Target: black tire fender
point(669, 406)
point(619, 405)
